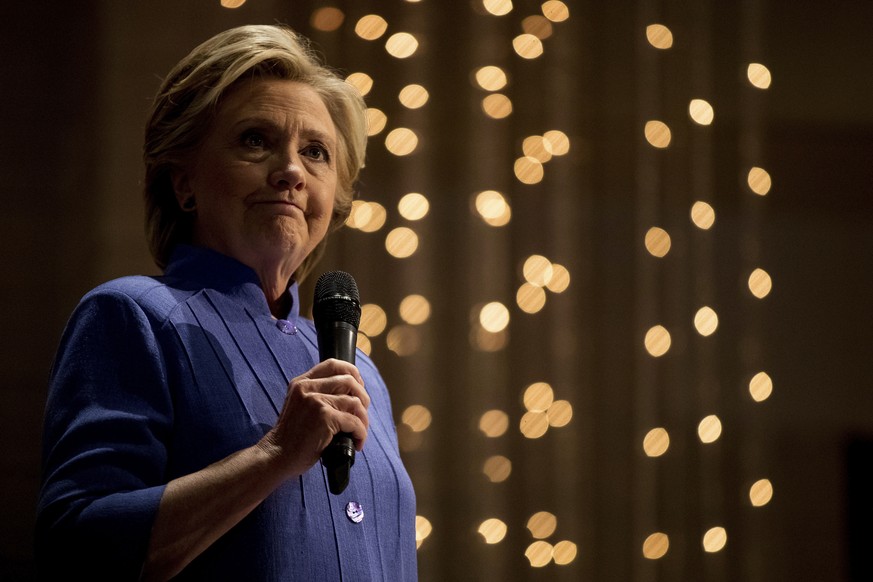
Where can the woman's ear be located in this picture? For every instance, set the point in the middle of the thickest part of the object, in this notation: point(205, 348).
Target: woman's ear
point(182, 190)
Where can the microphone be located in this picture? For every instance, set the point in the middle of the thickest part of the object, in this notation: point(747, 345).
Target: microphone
point(337, 313)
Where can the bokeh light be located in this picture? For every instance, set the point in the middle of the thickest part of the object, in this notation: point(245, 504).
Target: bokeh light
point(759, 76)
point(401, 45)
point(656, 442)
point(371, 27)
point(402, 242)
point(715, 539)
point(761, 492)
point(492, 530)
point(656, 546)
point(542, 524)
point(658, 134)
point(497, 468)
point(494, 423)
point(760, 387)
point(659, 36)
point(657, 341)
point(702, 215)
point(413, 206)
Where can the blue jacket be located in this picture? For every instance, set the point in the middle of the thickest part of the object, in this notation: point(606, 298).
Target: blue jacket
point(158, 377)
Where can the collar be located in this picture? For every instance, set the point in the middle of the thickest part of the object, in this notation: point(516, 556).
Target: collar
point(197, 268)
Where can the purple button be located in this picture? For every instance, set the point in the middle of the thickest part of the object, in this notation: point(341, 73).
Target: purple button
point(286, 326)
point(355, 512)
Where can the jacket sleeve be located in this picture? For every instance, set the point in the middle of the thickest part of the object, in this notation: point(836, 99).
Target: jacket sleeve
point(107, 425)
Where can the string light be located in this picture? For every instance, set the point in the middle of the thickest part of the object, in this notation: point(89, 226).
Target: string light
point(759, 76)
point(492, 530)
point(659, 36)
point(656, 546)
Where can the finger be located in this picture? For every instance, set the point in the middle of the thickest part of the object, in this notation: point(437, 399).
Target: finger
point(337, 385)
point(334, 367)
point(352, 424)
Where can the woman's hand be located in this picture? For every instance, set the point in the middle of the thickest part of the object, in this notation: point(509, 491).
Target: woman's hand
point(328, 399)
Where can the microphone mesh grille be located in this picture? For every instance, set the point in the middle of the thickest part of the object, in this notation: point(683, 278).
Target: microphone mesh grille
point(337, 299)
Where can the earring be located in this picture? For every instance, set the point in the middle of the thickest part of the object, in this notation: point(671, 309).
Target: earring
point(189, 205)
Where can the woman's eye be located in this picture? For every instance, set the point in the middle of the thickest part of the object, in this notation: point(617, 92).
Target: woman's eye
point(253, 140)
point(316, 152)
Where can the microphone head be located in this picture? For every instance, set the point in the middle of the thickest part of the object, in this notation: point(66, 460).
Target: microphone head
point(337, 299)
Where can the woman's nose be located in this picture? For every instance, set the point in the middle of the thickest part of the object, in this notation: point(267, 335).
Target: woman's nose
point(289, 175)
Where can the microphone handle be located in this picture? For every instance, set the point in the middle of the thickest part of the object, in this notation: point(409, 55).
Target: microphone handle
point(338, 341)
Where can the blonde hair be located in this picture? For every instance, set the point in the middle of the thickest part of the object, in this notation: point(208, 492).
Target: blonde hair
point(185, 104)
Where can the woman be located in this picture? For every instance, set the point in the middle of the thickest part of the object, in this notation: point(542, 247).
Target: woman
point(187, 412)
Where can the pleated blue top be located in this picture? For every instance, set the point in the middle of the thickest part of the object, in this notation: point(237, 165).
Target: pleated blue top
point(158, 377)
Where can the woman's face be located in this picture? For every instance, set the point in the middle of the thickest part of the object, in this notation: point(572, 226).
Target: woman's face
point(264, 178)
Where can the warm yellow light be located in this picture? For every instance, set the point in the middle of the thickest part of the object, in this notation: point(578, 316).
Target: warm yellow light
point(498, 7)
point(494, 423)
point(564, 552)
point(538, 397)
point(657, 242)
point(497, 106)
point(656, 442)
point(714, 539)
point(363, 343)
point(367, 216)
point(542, 524)
point(327, 19)
point(527, 46)
point(706, 321)
point(528, 170)
point(560, 413)
point(539, 553)
point(656, 546)
point(537, 147)
point(702, 215)
point(416, 417)
point(759, 181)
point(658, 134)
point(491, 78)
point(761, 387)
point(401, 141)
point(539, 26)
point(530, 298)
point(232, 3)
point(533, 425)
point(497, 468)
point(486, 341)
point(360, 81)
point(759, 76)
point(494, 317)
point(560, 279)
point(413, 206)
point(761, 492)
point(373, 320)
point(559, 143)
point(423, 528)
point(402, 242)
point(492, 530)
point(493, 208)
point(657, 341)
point(403, 340)
point(401, 45)
point(537, 270)
point(371, 27)
point(376, 121)
point(413, 96)
point(760, 283)
point(659, 36)
point(414, 309)
point(555, 10)
point(709, 429)
point(701, 112)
